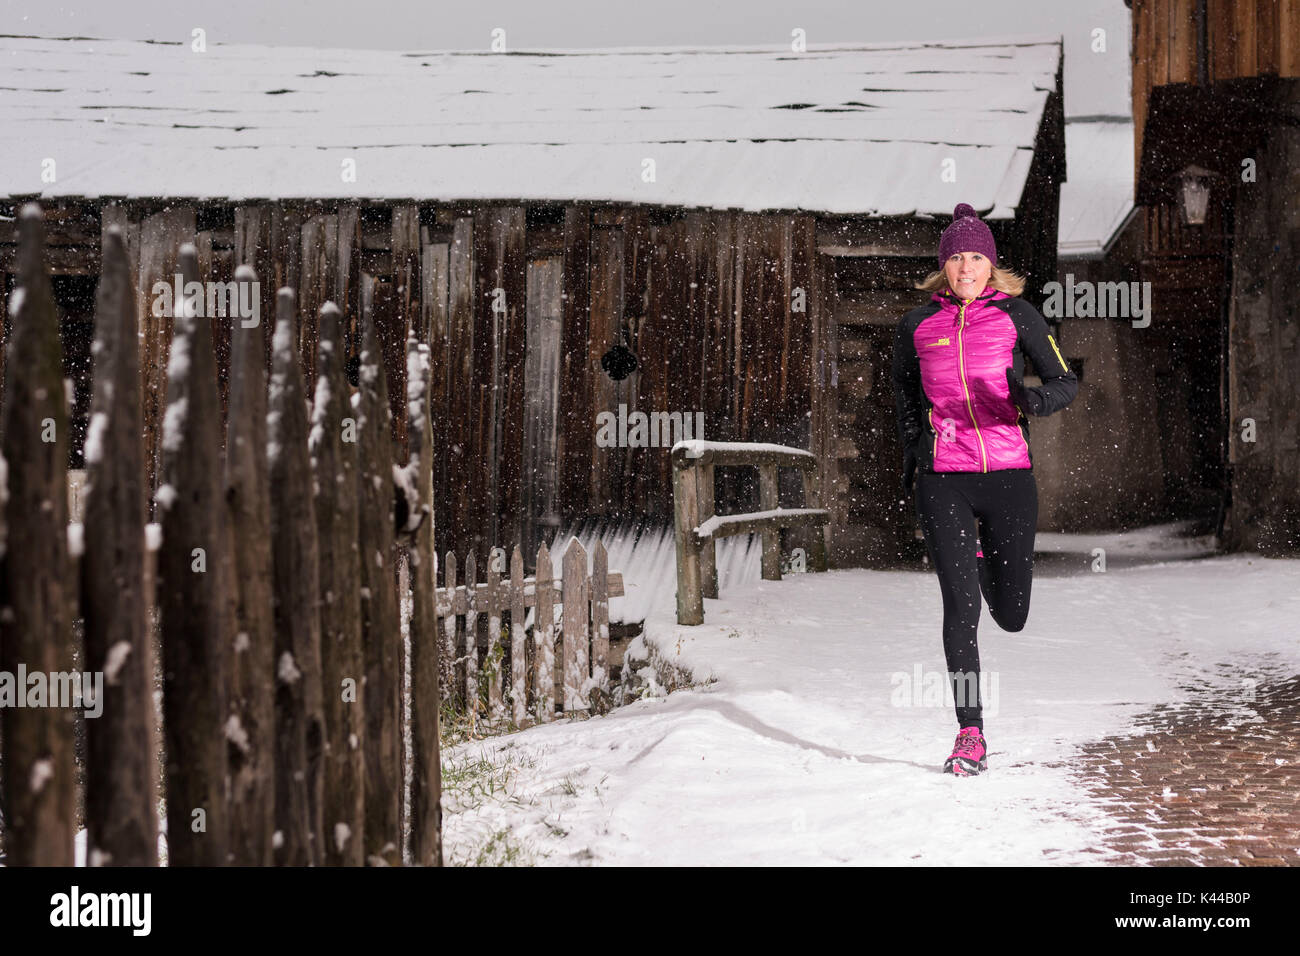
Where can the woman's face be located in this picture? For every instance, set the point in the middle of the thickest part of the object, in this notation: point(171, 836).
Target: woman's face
point(968, 273)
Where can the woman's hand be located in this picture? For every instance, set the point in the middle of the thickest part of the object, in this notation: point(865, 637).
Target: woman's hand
point(909, 468)
point(1028, 400)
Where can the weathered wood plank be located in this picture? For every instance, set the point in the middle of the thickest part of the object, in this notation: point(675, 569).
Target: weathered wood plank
point(686, 517)
point(518, 642)
point(426, 771)
point(380, 623)
point(299, 708)
point(452, 687)
point(333, 448)
point(252, 670)
point(121, 771)
point(471, 641)
point(495, 601)
point(195, 601)
point(576, 632)
point(544, 639)
point(600, 616)
point(35, 627)
point(767, 501)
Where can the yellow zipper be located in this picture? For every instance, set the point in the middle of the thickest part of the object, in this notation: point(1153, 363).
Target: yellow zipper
point(961, 363)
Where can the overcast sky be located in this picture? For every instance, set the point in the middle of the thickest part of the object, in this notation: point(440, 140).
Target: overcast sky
point(1095, 82)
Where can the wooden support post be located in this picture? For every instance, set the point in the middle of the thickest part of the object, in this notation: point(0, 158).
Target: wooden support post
point(771, 537)
point(686, 518)
point(817, 535)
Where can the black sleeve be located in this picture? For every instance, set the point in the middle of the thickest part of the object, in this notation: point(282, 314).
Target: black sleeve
point(1060, 385)
point(908, 395)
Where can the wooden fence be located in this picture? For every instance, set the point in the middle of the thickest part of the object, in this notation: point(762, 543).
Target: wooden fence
point(475, 682)
point(696, 527)
point(268, 585)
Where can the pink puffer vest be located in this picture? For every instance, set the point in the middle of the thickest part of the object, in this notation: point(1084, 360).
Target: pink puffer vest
point(964, 352)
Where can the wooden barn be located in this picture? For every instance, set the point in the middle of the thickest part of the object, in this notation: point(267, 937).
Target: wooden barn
point(748, 223)
point(1216, 97)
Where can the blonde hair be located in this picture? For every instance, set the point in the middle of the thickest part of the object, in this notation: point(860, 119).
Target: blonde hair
point(1004, 280)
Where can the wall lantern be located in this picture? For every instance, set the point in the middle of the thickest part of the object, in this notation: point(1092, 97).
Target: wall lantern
point(1194, 195)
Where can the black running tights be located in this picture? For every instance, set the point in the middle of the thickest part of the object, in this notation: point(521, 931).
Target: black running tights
point(1005, 505)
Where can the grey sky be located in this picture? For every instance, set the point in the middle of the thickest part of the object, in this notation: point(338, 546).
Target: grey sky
point(1094, 82)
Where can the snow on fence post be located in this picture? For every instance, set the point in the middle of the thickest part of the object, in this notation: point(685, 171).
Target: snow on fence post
point(574, 595)
point(426, 770)
point(35, 627)
point(686, 518)
point(600, 617)
point(121, 744)
point(471, 639)
point(767, 499)
point(518, 643)
point(380, 621)
point(333, 448)
point(252, 689)
point(195, 601)
point(299, 717)
point(544, 637)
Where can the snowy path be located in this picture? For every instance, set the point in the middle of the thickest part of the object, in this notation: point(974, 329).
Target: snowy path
point(805, 749)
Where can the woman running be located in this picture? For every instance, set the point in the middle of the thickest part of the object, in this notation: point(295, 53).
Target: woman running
point(962, 405)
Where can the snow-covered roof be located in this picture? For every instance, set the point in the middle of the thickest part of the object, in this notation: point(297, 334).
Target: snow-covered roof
point(862, 129)
point(1097, 195)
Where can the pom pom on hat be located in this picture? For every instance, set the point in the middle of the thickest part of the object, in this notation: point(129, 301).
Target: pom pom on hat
point(962, 211)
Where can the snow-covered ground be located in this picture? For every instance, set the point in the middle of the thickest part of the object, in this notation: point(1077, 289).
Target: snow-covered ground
point(812, 739)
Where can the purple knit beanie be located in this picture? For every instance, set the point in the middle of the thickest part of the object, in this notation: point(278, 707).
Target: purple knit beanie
point(967, 233)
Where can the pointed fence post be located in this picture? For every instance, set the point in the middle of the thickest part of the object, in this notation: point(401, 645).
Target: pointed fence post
point(195, 568)
point(544, 636)
point(575, 637)
point(252, 671)
point(426, 772)
point(299, 709)
point(333, 448)
point(471, 639)
point(380, 611)
point(600, 617)
point(518, 642)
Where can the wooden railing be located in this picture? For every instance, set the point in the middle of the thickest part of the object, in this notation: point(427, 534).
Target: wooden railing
point(697, 527)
